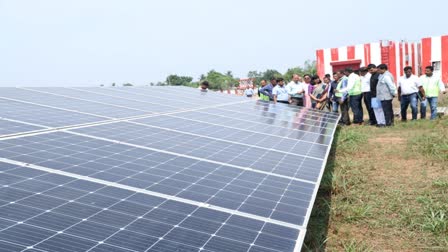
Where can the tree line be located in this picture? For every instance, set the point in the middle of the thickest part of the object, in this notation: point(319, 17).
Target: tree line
point(224, 81)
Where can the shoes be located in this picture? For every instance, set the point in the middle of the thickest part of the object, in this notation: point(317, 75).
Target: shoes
point(380, 125)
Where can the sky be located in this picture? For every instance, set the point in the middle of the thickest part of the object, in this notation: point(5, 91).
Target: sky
point(93, 42)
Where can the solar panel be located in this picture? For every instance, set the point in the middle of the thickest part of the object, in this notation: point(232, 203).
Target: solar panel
point(203, 172)
point(10, 127)
point(49, 212)
point(44, 116)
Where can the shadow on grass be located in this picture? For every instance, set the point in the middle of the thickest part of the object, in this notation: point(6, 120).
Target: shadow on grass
point(317, 230)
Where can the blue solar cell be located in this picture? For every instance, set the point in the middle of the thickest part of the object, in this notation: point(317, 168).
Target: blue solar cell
point(257, 165)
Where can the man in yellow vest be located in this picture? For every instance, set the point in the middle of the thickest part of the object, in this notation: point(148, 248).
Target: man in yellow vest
point(355, 95)
point(431, 84)
point(262, 96)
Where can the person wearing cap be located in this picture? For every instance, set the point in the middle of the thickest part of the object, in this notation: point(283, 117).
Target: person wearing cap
point(432, 85)
point(295, 90)
point(342, 98)
point(354, 90)
point(376, 104)
point(385, 92)
point(408, 87)
point(366, 94)
point(267, 90)
point(279, 93)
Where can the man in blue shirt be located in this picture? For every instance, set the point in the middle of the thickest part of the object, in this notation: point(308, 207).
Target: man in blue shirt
point(267, 90)
point(331, 93)
point(342, 98)
point(249, 92)
point(280, 93)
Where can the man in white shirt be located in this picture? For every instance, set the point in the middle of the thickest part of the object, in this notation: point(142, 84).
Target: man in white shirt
point(295, 90)
point(366, 94)
point(432, 85)
point(280, 93)
point(408, 86)
point(249, 92)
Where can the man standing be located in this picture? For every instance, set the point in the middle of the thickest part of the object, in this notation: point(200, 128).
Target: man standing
point(354, 90)
point(366, 94)
point(331, 93)
point(267, 90)
point(327, 83)
point(385, 92)
point(342, 98)
point(295, 90)
point(262, 96)
point(280, 93)
point(431, 84)
point(249, 92)
point(376, 104)
point(408, 86)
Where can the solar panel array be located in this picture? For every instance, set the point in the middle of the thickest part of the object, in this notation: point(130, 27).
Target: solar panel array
point(156, 169)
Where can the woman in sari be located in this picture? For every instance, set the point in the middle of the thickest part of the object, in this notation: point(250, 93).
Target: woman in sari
point(319, 94)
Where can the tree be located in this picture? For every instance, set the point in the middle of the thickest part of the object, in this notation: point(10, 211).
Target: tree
point(175, 80)
point(310, 67)
point(258, 76)
point(218, 80)
point(271, 73)
point(291, 71)
point(127, 85)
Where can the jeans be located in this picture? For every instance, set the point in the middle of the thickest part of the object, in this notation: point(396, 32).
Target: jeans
point(388, 112)
point(432, 104)
point(335, 107)
point(345, 118)
point(368, 102)
point(404, 103)
point(356, 106)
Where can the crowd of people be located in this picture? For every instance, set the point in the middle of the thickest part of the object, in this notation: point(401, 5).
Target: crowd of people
point(349, 89)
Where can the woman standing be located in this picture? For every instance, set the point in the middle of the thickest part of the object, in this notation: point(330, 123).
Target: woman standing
point(319, 94)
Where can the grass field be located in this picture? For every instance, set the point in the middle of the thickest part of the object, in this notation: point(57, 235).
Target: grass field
point(384, 190)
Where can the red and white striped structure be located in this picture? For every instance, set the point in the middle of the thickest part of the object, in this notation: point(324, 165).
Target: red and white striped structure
point(435, 52)
point(396, 54)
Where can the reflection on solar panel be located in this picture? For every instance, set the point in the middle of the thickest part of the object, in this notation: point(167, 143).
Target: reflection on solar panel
point(132, 169)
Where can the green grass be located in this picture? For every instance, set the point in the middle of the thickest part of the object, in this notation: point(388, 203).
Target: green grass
point(433, 146)
point(380, 195)
point(356, 246)
point(440, 183)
